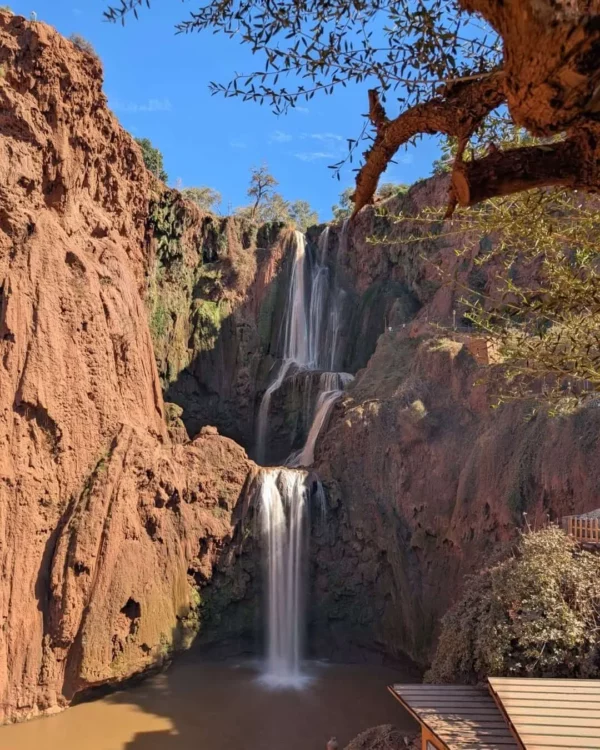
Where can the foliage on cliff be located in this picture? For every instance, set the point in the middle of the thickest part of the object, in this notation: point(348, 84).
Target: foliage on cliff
point(153, 158)
point(545, 317)
point(535, 614)
point(204, 197)
point(532, 289)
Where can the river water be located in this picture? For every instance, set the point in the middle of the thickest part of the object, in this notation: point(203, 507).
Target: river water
point(222, 706)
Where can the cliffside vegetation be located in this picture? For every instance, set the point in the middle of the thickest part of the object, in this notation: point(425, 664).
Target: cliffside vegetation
point(535, 614)
point(533, 290)
point(343, 208)
point(543, 316)
point(204, 197)
point(153, 158)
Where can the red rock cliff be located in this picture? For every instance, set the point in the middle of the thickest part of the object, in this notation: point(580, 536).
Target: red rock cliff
point(103, 521)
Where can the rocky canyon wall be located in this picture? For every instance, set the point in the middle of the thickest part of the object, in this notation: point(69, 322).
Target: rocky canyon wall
point(109, 522)
point(426, 481)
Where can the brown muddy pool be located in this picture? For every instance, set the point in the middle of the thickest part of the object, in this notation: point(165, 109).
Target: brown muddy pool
point(222, 706)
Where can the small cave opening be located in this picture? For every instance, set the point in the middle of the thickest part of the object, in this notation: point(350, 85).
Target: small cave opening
point(132, 609)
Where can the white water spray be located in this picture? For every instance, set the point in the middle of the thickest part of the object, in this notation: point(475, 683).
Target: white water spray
point(283, 508)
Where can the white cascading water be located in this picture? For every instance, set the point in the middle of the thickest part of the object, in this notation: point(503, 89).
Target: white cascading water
point(310, 337)
point(331, 388)
point(282, 493)
point(295, 340)
point(283, 503)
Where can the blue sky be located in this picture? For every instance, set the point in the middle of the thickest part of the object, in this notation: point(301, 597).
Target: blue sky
point(157, 84)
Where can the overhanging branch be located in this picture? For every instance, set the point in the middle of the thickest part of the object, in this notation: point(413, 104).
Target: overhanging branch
point(514, 170)
point(457, 111)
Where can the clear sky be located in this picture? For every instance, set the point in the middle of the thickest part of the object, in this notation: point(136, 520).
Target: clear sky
point(157, 84)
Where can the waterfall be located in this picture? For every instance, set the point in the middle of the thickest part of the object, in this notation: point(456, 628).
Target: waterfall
point(331, 388)
point(310, 329)
point(306, 456)
point(296, 342)
point(262, 423)
point(283, 508)
point(318, 302)
point(311, 325)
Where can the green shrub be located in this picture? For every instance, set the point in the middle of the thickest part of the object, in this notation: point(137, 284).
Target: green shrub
point(153, 158)
point(535, 614)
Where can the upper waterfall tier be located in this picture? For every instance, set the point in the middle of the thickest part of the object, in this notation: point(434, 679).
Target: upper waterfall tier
point(310, 329)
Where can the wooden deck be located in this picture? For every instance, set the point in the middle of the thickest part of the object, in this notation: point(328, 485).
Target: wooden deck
point(585, 529)
point(547, 714)
point(463, 717)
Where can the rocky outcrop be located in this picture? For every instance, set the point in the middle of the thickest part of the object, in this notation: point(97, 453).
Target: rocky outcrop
point(213, 302)
point(108, 527)
point(426, 481)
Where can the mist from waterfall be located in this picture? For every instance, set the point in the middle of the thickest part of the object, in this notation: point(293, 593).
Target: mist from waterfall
point(283, 513)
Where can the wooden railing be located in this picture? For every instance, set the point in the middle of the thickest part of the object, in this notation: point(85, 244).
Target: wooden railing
point(585, 530)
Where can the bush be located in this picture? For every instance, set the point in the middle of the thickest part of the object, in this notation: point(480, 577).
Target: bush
point(83, 45)
point(204, 197)
point(536, 614)
point(153, 158)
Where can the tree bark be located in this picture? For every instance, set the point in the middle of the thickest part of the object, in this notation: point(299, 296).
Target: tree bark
point(506, 172)
point(550, 82)
point(457, 111)
point(551, 59)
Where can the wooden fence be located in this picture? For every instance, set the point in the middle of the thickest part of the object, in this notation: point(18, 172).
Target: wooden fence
point(585, 530)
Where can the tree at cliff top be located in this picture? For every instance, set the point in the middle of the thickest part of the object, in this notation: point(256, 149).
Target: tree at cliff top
point(452, 64)
point(205, 197)
point(343, 209)
point(303, 215)
point(261, 190)
point(153, 158)
point(269, 206)
point(536, 614)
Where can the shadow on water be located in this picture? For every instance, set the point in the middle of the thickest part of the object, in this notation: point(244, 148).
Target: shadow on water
point(220, 706)
point(203, 705)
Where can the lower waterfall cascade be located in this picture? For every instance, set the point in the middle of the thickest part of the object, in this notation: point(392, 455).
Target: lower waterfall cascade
point(283, 515)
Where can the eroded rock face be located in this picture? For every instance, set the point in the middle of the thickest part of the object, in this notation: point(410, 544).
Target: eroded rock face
point(107, 527)
point(426, 481)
